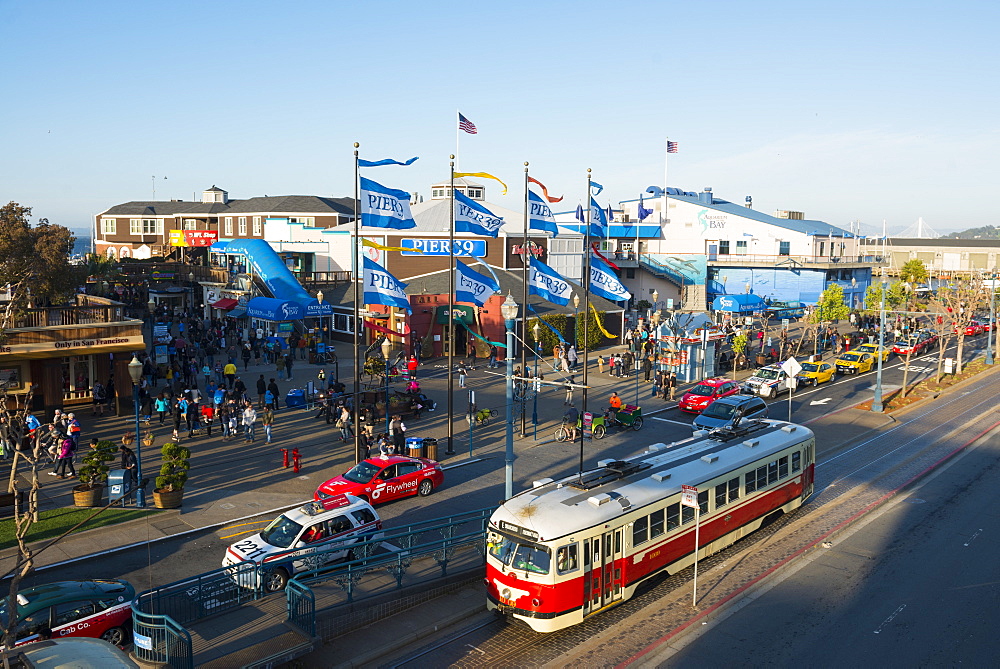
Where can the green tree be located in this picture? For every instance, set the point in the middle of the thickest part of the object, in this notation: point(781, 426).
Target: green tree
point(913, 271)
point(895, 295)
point(831, 306)
point(34, 261)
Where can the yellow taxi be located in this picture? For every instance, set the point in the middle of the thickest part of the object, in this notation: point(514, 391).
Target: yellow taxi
point(854, 362)
point(872, 349)
point(814, 373)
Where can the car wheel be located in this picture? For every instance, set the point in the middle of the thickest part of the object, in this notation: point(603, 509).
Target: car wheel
point(115, 636)
point(815, 382)
point(364, 498)
point(766, 392)
point(275, 581)
point(426, 487)
point(637, 423)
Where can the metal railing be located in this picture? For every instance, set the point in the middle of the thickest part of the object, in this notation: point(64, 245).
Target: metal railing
point(204, 595)
point(160, 641)
point(301, 608)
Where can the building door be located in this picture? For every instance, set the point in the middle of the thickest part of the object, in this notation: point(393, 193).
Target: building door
point(77, 377)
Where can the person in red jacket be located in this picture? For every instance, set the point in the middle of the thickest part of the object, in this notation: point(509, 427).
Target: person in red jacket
point(411, 367)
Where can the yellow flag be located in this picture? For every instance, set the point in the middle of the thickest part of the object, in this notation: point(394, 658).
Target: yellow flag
point(599, 325)
point(483, 175)
point(369, 243)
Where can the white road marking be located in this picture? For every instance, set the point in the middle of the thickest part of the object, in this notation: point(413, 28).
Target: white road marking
point(889, 619)
point(973, 537)
point(822, 401)
point(667, 420)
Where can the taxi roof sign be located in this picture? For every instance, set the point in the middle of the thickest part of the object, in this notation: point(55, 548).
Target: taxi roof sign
point(333, 502)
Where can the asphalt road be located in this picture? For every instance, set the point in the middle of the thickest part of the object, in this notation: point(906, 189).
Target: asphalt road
point(480, 483)
point(915, 586)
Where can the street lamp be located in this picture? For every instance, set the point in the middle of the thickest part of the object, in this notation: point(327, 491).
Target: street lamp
point(536, 330)
point(509, 312)
point(989, 337)
point(135, 371)
point(877, 400)
point(656, 299)
point(576, 318)
point(319, 298)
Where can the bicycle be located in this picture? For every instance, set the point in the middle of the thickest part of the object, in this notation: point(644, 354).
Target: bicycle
point(483, 416)
point(565, 433)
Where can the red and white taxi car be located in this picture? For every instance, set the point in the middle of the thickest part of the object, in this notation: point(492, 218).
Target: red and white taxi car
point(98, 608)
point(383, 479)
point(698, 398)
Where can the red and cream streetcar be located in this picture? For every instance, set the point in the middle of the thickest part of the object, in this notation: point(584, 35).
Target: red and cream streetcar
point(565, 550)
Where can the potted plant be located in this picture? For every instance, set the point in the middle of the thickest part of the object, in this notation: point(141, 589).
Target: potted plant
point(94, 472)
point(169, 489)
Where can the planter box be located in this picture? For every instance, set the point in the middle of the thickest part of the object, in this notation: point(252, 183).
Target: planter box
point(168, 500)
point(88, 497)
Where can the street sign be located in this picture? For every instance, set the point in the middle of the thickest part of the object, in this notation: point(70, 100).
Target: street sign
point(784, 323)
point(689, 496)
point(588, 424)
point(791, 367)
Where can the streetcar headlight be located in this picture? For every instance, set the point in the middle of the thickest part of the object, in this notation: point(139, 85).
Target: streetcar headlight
point(505, 593)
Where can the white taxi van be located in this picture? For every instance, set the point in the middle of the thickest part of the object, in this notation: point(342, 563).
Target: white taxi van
point(303, 539)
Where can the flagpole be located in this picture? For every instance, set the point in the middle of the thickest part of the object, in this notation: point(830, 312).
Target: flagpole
point(586, 311)
point(524, 300)
point(458, 136)
point(451, 305)
point(355, 401)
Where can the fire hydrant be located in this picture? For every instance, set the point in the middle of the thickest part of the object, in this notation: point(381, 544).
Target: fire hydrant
point(284, 456)
point(296, 462)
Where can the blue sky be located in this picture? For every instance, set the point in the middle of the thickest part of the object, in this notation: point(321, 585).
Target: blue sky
point(846, 111)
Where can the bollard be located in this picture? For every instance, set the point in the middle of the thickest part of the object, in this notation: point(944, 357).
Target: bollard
point(284, 456)
point(295, 460)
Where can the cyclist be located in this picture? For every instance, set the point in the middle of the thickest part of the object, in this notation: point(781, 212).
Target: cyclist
point(570, 420)
point(615, 405)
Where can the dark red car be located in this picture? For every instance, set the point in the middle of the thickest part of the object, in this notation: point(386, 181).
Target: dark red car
point(382, 479)
point(917, 343)
point(706, 392)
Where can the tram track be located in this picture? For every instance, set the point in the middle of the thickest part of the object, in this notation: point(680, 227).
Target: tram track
point(495, 641)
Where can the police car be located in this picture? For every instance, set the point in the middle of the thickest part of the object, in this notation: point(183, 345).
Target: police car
point(768, 381)
point(304, 538)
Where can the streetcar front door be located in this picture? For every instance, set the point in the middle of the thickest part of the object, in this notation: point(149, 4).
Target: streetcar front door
point(593, 572)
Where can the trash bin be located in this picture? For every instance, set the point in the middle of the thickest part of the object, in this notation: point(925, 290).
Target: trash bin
point(119, 484)
point(415, 447)
point(296, 398)
point(431, 448)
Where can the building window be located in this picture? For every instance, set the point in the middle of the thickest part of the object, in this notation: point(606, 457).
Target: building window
point(109, 226)
point(242, 225)
point(822, 246)
point(229, 226)
point(134, 226)
point(784, 248)
point(152, 226)
point(629, 274)
point(258, 231)
point(190, 224)
point(723, 248)
point(741, 248)
point(305, 221)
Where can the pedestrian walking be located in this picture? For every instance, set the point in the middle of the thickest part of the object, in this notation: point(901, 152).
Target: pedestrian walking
point(249, 422)
point(611, 365)
point(398, 431)
point(344, 423)
point(279, 365)
point(289, 363)
point(672, 385)
point(261, 391)
point(67, 449)
point(411, 367)
point(462, 373)
point(230, 373)
point(273, 388)
point(600, 364)
point(569, 390)
point(647, 368)
point(207, 417)
point(97, 395)
point(267, 419)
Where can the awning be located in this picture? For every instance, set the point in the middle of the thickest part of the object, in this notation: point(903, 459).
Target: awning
point(619, 231)
point(238, 312)
point(739, 303)
point(225, 303)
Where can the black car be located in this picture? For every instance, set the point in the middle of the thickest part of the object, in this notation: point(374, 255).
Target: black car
point(722, 411)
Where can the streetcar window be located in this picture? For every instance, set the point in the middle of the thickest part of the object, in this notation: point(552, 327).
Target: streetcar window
point(703, 501)
point(618, 543)
point(796, 461)
point(586, 553)
point(772, 471)
point(673, 516)
point(687, 515)
point(761, 477)
point(734, 489)
point(720, 495)
point(640, 531)
point(500, 547)
point(531, 558)
point(655, 524)
point(783, 467)
point(566, 559)
point(751, 481)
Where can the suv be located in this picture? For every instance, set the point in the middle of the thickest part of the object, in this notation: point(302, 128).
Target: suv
point(722, 411)
point(100, 609)
point(768, 381)
point(304, 538)
point(706, 392)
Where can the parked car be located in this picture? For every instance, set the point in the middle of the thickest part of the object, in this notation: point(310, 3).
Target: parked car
point(917, 343)
point(974, 328)
point(305, 538)
point(721, 412)
point(814, 373)
point(768, 381)
point(873, 350)
point(383, 479)
point(706, 392)
point(99, 608)
point(854, 362)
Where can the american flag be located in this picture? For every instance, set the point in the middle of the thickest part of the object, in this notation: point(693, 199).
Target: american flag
point(671, 147)
point(466, 125)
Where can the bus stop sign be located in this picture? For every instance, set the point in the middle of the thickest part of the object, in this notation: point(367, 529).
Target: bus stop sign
point(689, 496)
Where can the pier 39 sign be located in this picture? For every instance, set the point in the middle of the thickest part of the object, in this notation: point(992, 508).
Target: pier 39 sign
point(440, 247)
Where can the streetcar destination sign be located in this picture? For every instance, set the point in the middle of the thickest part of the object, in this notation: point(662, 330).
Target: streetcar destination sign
point(516, 529)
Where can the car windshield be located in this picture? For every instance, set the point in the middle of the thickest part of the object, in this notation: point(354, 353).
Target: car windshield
point(703, 390)
point(850, 357)
point(281, 532)
point(363, 472)
point(719, 409)
point(766, 373)
point(518, 553)
point(810, 367)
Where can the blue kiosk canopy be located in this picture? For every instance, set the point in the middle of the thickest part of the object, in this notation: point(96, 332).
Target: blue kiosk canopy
point(743, 304)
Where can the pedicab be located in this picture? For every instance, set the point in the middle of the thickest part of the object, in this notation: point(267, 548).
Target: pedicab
point(629, 416)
